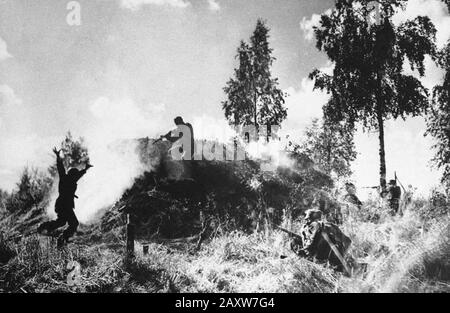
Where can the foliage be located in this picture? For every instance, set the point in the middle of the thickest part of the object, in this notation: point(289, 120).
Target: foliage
point(330, 146)
point(75, 153)
point(3, 197)
point(433, 209)
point(253, 95)
point(6, 250)
point(33, 188)
point(439, 119)
point(368, 84)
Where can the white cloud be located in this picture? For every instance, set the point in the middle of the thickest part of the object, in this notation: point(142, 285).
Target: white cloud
point(307, 25)
point(213, 5)
point(435, 9)
point(124, 118)
point(136, 4)
point(304, 104)
point(4, 54)
point(8, 97)
point(18, 151)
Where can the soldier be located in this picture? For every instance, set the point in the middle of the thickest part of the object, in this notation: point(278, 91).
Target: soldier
point(310, 231)
point(409, 194)
point(189, 154)
point(320, 239)
point(65, 205)
point(351, 195)
point(393, 196)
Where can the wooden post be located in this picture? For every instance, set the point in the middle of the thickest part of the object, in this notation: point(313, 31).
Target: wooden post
point(130, 237)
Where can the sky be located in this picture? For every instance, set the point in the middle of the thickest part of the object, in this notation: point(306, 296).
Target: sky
point(131, 66)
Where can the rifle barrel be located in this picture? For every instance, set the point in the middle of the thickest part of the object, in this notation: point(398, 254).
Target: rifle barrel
point(288, 232)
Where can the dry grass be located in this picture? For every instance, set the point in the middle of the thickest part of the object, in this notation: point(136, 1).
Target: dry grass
point(401, 256)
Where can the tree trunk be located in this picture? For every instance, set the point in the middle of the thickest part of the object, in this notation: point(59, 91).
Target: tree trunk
point(381, 151)
point(381, 131)
point(255, 99)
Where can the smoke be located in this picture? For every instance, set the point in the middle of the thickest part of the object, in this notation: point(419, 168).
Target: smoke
point(112, 146)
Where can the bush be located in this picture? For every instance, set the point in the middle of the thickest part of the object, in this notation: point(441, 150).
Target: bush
point(6, 250)
point(432, 209)
point(32, 189)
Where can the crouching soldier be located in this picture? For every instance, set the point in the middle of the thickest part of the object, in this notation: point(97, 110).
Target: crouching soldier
point(322, 241)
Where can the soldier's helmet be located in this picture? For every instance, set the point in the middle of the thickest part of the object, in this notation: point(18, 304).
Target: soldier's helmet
point(73, 172)
point(313, 215)
point(178, 120)
point(392, 182)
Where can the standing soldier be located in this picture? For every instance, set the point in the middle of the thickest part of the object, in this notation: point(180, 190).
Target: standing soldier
point(188, 137)
point(393, 196)
point(409, 194)
point(65, 204)
point(351, 195)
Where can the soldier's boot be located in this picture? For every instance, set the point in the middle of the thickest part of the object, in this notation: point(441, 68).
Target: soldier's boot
point(61, 242)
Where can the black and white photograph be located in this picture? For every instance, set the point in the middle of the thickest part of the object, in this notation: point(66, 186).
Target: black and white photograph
point(225, 151)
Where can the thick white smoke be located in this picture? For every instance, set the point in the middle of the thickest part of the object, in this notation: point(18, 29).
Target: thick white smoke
point(113, 149)
point(112, 153)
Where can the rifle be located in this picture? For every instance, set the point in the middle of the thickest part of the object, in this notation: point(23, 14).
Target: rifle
point(290, 233)
point(330, 243)
point(396, 179)
point(336, 252)
point(158, 140)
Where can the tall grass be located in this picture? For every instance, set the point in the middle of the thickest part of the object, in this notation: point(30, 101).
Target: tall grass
point(400, 255)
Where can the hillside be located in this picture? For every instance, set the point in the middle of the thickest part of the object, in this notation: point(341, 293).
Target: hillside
point(231, 207)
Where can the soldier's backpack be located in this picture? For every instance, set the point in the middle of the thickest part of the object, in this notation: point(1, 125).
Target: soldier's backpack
point(323, 251)
point(341, 241)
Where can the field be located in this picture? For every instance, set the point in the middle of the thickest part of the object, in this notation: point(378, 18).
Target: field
point(400, 254)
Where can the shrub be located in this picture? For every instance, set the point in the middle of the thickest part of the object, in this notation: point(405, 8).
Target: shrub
point(33, 188)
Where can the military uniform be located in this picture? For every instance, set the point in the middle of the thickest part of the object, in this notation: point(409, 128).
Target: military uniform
point(393, 197)
point(313, 243)
point(65, 205)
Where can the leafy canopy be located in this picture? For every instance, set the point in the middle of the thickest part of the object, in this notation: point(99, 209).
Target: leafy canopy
point(253, 96)
point(368, 83)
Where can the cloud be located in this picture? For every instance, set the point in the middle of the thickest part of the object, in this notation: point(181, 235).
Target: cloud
point(20, 150)
point(136, 4)
point(213, 5)
point(4, 54)
point(307, 24)
point(124, 118)
point(435, 9)
point(8, 97)
point(304, 104)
